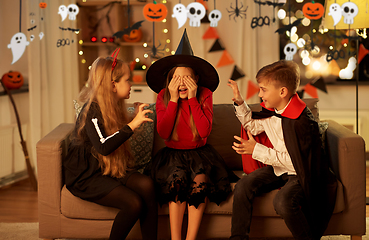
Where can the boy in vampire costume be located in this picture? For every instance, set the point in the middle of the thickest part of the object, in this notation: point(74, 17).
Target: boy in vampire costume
point(295, 161)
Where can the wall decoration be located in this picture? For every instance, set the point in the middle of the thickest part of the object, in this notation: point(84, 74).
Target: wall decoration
point(237, 12)
point(196, 12)
point(362, 52)
point(290, 50)
point(63, 12)
point(311, 90)
point(180, 13)
point(313, 10)
point(217, 46)
point(335, 12)
point(211, 33)
point(252, 89)
point(225, 59)
point(131, 33)
point(13, 80)
point(289, 26)
point(155, 12)
point(73, 11)
point(319, 84)
point(237, 73)
point(349, 11)
point(18, 44)
point(42, 5)
point(214, 16)
point(260, 21)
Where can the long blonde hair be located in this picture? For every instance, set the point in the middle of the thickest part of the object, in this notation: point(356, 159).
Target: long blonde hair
point(174, 135)
point(99, 89)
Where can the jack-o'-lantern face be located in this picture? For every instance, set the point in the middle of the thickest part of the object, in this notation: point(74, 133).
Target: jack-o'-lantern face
point(135, 35)
point(42, 5)
point(12, 80)
point(155, 12)
point(313, 10)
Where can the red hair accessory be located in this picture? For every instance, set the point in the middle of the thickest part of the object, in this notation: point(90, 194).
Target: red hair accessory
point(115, 58)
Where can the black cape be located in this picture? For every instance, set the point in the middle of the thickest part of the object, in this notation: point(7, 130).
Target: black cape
point(304, 145)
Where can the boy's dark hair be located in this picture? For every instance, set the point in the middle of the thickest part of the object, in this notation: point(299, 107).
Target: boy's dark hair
point(283, 73)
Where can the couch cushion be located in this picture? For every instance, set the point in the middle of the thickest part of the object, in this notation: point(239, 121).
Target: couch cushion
point(75, 207)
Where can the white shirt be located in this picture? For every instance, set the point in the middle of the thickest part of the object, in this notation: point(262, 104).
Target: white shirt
point(277, 156)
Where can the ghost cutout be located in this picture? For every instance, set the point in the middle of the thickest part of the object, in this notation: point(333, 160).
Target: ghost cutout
point(73, 10)
point(41, 35)
point(196, 12)
point(214, 17)
point(18, 45)
point(63, 12)
point(335, 12)
point(290, 49)
point(32, 37)
point(180, 13)
point(349, 11)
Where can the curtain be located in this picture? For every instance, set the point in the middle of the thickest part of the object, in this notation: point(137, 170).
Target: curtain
point(53, 70)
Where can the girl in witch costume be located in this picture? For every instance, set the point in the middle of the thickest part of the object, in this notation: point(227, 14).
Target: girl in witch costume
point(98, 167)
point(188, 172)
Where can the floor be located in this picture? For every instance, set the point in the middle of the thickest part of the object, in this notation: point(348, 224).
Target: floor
point(18, 202)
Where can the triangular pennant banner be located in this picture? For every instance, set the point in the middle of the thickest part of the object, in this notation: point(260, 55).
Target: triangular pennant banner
point(211, 33)
point(217, 46)
point(205, 19)
point(320, 84)
point(203, 3)
point(362, 53)
point(252, 89)
point(226, 59)
point(301, 94)
point(237, 73)
point(311, 90)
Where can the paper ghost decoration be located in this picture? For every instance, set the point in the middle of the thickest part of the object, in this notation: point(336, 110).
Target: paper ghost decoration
point(180, 13)
point(335, 12)
point(196, 12)
point(18, 45)
point(63, 12)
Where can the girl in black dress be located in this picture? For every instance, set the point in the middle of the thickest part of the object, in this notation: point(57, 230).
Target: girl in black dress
point(99, 164)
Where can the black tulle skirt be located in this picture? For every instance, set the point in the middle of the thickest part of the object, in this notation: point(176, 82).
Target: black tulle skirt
point(174, 172)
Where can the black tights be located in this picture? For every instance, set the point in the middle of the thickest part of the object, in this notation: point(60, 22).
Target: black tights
point(135, 200)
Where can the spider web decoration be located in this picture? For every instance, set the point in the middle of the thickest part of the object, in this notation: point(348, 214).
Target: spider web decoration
point(237, 11)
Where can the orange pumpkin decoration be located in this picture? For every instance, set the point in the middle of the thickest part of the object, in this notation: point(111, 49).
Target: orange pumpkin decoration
point(135, 35)
point(313, 10)
point(12, 80)
point(42, 5)
point(155, 12)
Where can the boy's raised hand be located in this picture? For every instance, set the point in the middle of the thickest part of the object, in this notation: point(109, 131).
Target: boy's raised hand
point(237, 98)
point(140, 117)
point(245, 146)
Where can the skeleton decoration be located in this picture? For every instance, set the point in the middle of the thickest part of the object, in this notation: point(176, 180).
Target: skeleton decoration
point(349, 11)
point(214, 17)
point(290, 50)
point(73, 10)
point(196, 12)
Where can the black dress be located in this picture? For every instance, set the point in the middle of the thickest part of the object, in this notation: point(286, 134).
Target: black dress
point(82, 173)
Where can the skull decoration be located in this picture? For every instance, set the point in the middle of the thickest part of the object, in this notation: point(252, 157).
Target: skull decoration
point(290, 49)
point(214, 17)
point(73, 10)
point(196, 12)
point(349, 11)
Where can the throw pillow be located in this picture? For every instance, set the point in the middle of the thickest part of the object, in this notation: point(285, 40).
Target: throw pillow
point(141, 142)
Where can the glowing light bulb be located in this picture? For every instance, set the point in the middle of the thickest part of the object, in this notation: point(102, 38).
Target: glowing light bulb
point(281, 14)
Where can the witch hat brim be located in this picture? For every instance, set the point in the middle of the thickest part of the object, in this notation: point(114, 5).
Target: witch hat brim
point(157, 73)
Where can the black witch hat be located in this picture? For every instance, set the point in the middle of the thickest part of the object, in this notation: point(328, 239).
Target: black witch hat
point(157, 73)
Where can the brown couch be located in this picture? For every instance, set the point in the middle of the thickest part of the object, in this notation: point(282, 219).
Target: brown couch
point(62, 215)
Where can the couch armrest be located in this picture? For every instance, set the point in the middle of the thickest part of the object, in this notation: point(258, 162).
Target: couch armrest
point(50, 151)
point(347, 153)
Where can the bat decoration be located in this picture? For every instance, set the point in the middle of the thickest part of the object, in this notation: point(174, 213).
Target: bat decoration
point(289, 26)
point(31, 28)
point(69, 29)
point(127, 30)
